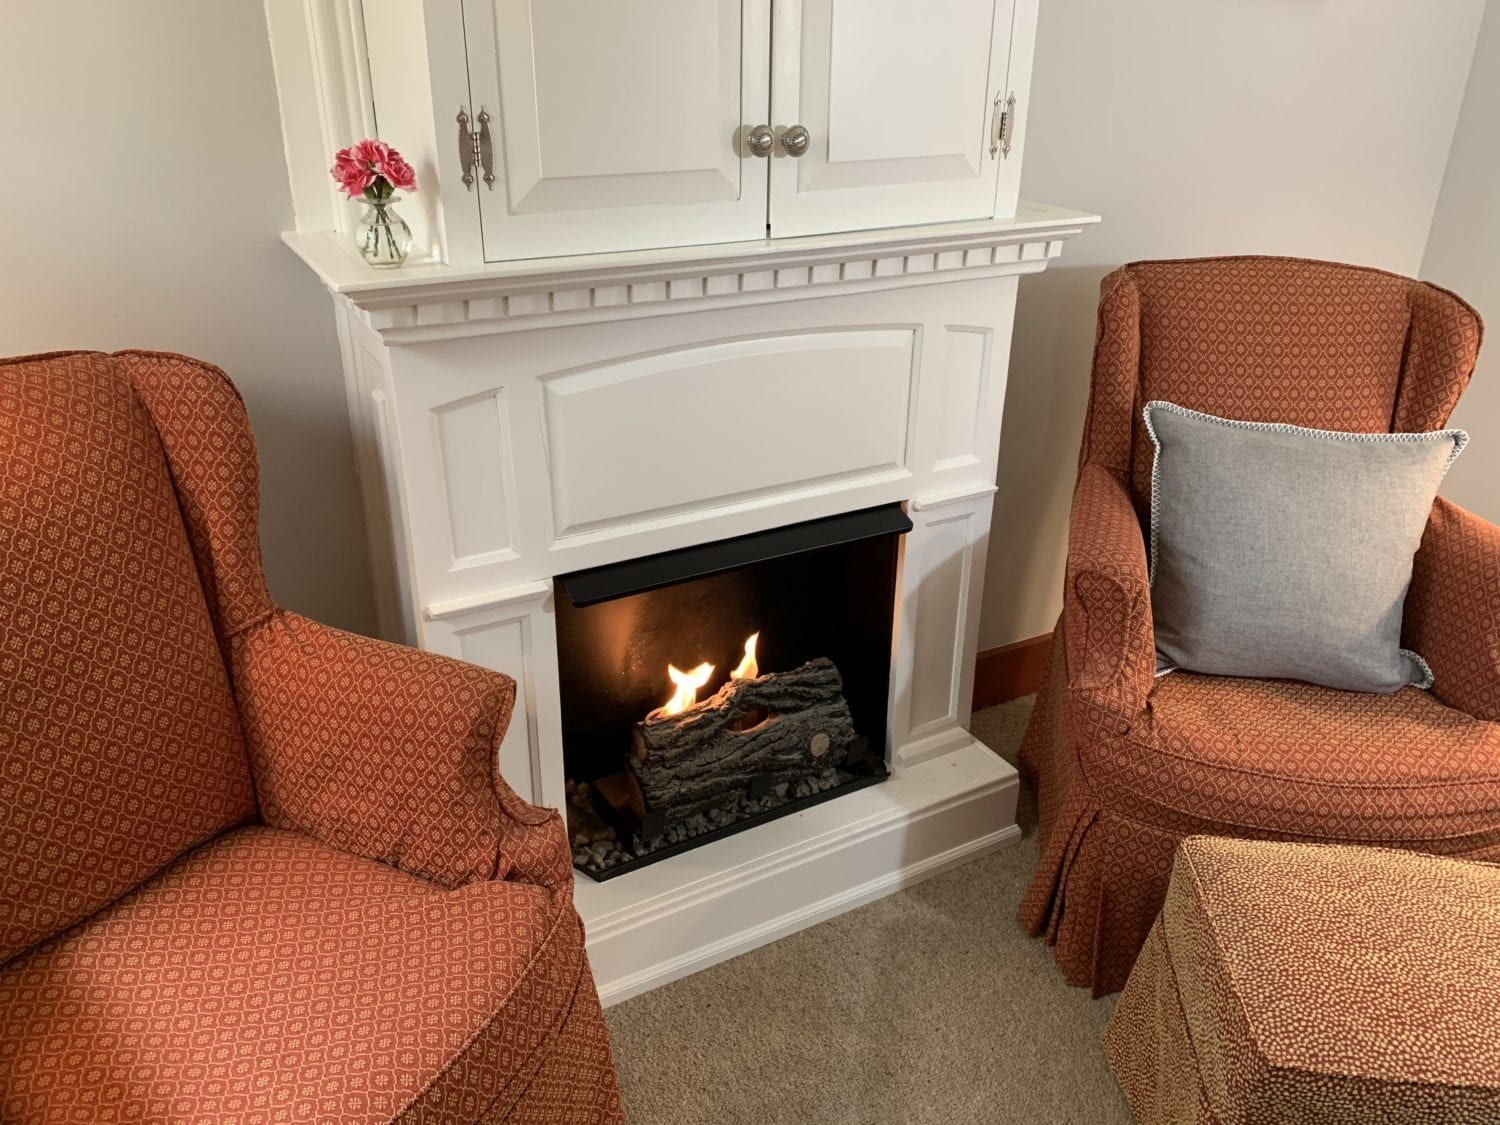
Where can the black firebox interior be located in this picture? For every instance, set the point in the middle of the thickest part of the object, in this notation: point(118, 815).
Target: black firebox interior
point(826, 588)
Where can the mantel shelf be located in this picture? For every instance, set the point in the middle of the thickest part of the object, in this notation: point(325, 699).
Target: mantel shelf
point(433, 301)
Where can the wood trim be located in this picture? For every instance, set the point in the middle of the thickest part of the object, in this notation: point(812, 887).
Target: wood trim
point(1010, 671)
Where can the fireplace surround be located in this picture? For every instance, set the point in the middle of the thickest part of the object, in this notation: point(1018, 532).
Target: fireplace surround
point(524, 428)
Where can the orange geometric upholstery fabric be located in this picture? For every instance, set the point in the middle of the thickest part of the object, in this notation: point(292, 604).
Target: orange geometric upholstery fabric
point(413, 732)
point(120, 745)
point(396, 939)
point(1127, 764)
point(1453, 609)
point(265, 977)
point(1306, 982)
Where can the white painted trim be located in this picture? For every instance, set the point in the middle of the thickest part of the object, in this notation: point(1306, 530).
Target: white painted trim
point(432, 301)
point(494, 599)
point(323, 84)
point(952, 496)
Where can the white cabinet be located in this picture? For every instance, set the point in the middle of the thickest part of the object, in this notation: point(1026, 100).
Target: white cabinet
point(623, 137)
point(553, 127)
point(903, 108)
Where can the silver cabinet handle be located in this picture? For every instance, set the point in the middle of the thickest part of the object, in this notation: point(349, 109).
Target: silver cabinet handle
point(761, 140)
point(795, 140)
point(485, 149)
point(468, 149)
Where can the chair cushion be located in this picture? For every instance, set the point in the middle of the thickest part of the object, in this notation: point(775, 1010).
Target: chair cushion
point(267, 977)
point(1296, 982)
point(1223, 754)
point(120, 744)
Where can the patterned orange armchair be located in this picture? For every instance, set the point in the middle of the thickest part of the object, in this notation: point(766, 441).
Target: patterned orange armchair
point(252, 869)
point(1126, 764)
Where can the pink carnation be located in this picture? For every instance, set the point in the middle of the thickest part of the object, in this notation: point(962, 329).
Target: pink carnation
point(353, 175)
point(371, 151)
point(401, 174)
point(372, 167)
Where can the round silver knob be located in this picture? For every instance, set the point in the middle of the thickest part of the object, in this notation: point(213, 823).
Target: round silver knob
point(795, 140)
point(761, 140)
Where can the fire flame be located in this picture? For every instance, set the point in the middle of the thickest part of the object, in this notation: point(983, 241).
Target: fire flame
point(748, 668)
point(688, 684)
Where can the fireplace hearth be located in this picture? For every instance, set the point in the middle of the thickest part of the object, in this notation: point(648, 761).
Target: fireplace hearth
point(666, 746)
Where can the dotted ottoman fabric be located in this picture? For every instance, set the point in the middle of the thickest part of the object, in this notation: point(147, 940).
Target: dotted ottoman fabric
point(1303, 982)
point(395, 940)
point(1126, 764)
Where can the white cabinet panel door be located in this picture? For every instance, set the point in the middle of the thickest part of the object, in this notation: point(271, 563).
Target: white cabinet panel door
point(618, 124)
point(899, 101)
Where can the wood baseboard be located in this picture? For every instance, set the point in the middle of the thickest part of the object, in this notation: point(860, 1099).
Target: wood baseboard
point(1010, 671)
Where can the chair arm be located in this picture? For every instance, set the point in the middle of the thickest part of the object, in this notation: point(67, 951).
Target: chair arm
point(389, 753)
point(1452, 615)
point(1110, 643)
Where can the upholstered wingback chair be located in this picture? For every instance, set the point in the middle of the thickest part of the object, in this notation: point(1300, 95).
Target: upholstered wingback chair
point(1127, 764)
point(252, 868)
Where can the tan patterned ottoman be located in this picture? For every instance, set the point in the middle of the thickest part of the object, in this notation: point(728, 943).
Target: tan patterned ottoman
point(1315, 983)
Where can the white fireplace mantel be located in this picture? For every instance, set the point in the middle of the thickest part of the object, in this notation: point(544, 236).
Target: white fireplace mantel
point(427, 301)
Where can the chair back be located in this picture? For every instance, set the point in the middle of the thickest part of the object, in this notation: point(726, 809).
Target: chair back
point(1263, 339)
point(120, 742)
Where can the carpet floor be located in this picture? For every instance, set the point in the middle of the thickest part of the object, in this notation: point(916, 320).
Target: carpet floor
point(931, 1005)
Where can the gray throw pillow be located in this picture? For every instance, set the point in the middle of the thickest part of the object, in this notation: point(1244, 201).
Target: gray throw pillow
point(1283, 552)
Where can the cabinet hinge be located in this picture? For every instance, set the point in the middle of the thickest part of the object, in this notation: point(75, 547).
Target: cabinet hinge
point(1002, 123)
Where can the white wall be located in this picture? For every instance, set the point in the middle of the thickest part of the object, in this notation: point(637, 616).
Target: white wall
point(1463, 253)
point(145, 188)
point(1309, 127)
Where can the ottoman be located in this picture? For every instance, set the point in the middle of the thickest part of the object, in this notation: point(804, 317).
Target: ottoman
point(1308, 982)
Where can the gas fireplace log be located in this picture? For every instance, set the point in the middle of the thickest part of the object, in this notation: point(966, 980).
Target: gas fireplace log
point(783, 725)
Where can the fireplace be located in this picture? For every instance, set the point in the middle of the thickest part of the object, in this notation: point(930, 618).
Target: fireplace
point(710, 689)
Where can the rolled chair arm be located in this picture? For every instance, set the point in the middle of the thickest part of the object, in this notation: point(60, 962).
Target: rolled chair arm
point(1110, 644)
point(1452, 616)
point(389, 752)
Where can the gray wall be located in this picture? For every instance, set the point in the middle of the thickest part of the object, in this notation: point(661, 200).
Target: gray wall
point(145, 190)
point(1463, 253)
point(1310, 127)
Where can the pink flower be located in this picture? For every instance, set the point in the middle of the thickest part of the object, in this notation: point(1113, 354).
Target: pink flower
point(372, 168)
point(401, 174)
point(371, 151)
point(353, 175)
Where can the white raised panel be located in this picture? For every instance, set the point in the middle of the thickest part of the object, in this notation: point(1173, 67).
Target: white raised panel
point(513, 632)
point(713, 424)
point(898, 99)
point(618, 124)
point(473, 441)
point(965, 378)
point(942, 577)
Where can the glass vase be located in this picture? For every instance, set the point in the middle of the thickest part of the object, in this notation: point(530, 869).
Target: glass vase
point(383, 238)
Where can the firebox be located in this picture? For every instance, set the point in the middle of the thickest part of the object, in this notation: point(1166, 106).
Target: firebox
point(710, 689)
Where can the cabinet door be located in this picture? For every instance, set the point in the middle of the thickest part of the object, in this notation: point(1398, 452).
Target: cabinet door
point(898, 99)
point(618, 124)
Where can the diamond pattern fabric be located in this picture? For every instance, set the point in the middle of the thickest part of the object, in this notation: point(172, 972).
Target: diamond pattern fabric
point(1126, 764)
point(395, 941)
point(264, 956)
point(120, 745)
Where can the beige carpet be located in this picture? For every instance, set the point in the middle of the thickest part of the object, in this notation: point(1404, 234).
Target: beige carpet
point(928, 1006)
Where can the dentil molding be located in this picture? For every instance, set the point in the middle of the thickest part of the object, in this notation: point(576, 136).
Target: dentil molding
point(428, 301)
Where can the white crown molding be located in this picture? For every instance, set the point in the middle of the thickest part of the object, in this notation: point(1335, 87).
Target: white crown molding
point(428, 301)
